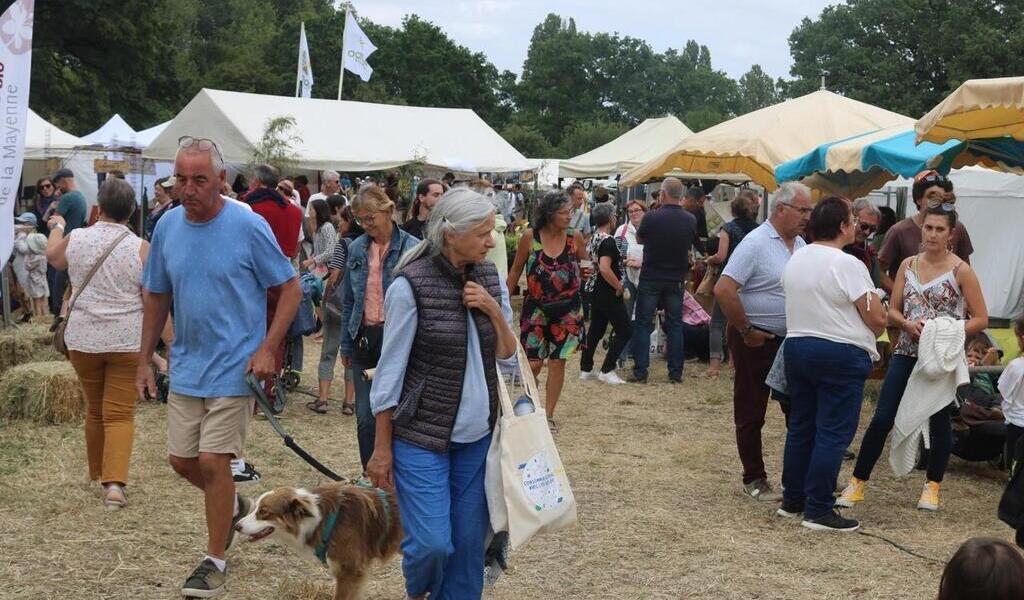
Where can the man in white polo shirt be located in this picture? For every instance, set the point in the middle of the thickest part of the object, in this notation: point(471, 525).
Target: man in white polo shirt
point(751, 295)
point(330, 184)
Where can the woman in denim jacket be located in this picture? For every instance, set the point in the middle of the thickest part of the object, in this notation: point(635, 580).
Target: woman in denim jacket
point(372, 258)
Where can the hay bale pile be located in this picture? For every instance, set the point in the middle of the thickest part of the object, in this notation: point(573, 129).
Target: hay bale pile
point(26, 343)
point(44, 392)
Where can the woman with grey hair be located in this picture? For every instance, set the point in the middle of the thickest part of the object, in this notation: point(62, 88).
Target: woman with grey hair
point(551, 324)
point(104, 329)
point(606, 302)
point(448, 320)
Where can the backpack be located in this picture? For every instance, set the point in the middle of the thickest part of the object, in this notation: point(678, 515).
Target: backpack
point(304, 322)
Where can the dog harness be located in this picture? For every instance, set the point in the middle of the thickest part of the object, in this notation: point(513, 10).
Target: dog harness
point(320, 550)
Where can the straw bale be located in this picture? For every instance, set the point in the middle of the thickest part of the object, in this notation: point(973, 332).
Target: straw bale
point(26, 343)
point(44, 392)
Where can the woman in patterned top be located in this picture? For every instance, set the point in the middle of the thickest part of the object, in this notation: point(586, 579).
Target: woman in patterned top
point(934, 283)
point(551, 324)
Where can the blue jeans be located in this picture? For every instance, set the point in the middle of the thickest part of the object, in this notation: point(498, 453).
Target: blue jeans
point(670, 295)
point(889, 398)
point(444, 514)
point(826, 388)
point(366, 423)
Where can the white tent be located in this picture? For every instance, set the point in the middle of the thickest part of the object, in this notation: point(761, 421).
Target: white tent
point(991, 206)
point(344, 136)
point(45, 140)
point(115, 133)
point(146, 136)
point(646, 141)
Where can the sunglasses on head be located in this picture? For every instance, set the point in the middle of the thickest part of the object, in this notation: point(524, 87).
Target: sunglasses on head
point(943, 206)
point(933, 177)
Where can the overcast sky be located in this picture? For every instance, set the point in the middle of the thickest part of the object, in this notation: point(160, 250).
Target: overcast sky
point(739, 33)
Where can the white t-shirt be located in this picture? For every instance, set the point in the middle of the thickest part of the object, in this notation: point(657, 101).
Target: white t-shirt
point(1011, 386)
point(822, 283)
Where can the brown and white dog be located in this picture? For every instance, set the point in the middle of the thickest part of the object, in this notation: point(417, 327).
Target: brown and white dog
point(367, 528)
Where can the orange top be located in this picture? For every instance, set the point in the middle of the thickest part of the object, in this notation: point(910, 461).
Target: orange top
point(373, 305)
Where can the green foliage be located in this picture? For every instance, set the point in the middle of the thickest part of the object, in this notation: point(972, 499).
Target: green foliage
point(276, 145)
point(584, 136)
point(757, 90)
point(906, 55)
point(528, 140)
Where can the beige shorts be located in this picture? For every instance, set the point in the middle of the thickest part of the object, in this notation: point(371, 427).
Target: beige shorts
point(213, 425)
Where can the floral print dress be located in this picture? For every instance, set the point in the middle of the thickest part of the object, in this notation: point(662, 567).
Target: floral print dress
point(551, 324)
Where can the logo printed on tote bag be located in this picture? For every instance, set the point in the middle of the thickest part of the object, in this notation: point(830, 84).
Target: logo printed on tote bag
point(540, 483)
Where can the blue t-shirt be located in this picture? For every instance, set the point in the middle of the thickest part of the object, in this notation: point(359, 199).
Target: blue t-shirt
point(218, 273)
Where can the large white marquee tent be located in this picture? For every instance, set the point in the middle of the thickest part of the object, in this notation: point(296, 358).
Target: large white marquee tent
point(344, 136)
point(646, 141)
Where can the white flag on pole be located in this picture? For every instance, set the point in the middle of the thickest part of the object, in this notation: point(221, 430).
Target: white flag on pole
point(304, 77)
point(15, 71)
point(356, 48)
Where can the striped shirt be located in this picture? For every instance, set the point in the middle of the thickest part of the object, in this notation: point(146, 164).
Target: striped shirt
point(757, 266)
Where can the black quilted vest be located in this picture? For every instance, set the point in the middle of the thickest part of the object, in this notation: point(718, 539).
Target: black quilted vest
point(432, 389)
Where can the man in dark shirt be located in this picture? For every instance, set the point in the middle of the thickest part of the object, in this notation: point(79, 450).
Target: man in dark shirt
point(72, 207)
point(694, 204)
point(428, 193)
point(667, 235)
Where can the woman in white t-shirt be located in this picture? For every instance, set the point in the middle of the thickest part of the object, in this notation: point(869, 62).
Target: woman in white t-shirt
point(833, 317)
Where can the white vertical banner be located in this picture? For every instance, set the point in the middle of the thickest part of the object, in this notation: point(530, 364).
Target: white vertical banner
point(304, 77)
point(356, 48)
point(15, 75)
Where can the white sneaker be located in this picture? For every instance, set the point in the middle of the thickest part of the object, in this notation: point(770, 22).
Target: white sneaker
point(588, 375)
point(611, 378)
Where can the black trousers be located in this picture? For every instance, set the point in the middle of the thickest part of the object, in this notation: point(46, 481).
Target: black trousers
point(606, 311)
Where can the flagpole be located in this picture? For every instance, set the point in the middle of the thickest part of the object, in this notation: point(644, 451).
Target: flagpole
point(298, 78)
point(341, 74)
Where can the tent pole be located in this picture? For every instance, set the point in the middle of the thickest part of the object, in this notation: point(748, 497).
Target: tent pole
point(341, 74)
point(7, 297)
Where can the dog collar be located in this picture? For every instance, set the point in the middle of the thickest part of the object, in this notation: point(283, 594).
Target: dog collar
point(325, 536)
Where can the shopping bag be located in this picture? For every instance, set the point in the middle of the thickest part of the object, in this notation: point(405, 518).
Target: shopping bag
point(528, 491)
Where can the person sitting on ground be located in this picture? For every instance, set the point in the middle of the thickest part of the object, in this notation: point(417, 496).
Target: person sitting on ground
point(935, 283)
point(753, 300)
point(606, 305)
point(983, 568)
point(428, 192)
point(981, 353)
point(833, 317)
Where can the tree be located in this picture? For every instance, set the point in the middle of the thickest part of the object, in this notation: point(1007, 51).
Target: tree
point(757, 90)
point(584, 136)
point(276, 143)
point(528, 140)
point(906, 56)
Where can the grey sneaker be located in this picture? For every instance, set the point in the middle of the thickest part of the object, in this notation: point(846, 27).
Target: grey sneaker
point(205, 582)
point(761, 491)
point(244, 507)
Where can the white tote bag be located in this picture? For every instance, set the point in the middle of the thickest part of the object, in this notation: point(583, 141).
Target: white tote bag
point(527, 488)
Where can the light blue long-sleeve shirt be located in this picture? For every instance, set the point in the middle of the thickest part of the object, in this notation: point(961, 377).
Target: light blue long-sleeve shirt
point(400, 323)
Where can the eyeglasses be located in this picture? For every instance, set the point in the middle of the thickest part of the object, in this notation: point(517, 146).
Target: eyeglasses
point(367, 220)
point(800, 209)
point(931, 177)
point(868, 228)
point(204, 144)
point(46, 186)
point(634, 211)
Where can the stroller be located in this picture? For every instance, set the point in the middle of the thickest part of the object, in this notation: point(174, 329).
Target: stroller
point(305, 323)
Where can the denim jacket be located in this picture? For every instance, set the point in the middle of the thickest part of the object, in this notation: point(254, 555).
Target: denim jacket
point(353, 286)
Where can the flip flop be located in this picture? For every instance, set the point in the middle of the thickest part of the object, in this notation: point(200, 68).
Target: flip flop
point(317, 406)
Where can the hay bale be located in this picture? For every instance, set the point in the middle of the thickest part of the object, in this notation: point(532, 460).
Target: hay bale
point(26, 343)
point(44, 392)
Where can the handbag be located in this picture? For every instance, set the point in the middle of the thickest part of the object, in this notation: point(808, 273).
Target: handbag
point(60, 324)
point(368, 345)
point(527, 488)
point(705, 294)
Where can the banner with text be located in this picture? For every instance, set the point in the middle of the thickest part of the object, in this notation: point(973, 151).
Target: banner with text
point(15, 71)
point(304, 77)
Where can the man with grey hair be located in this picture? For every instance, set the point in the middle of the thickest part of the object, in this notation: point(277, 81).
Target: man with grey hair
point(330, 184)
point(753, 300)
point(867, 216)
point(216, 261)
point(667, 235)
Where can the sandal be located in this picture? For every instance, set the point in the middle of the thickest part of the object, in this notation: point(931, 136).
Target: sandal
point(348, 409)
point(115, 498)
point(551, 425)
point(317, 406)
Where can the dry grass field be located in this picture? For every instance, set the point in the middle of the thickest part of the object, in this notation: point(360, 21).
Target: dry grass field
point(654, 470)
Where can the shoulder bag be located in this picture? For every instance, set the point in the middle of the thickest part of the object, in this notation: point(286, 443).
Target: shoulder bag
point(526, 485)
point(61, 323)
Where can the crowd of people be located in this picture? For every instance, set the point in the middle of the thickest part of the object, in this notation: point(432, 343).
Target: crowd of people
point(795, 304)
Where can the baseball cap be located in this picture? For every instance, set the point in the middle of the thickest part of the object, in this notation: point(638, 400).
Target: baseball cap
point(61, 174)
point(168, 183)
point(26, 218)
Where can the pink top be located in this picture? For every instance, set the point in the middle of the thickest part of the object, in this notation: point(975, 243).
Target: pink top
point(373, 304)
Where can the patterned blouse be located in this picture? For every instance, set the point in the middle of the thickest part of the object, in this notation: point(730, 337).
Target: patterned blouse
point(940, 297)
point(108, 315)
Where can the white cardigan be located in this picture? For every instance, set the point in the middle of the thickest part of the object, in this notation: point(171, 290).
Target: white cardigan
point(941, 368)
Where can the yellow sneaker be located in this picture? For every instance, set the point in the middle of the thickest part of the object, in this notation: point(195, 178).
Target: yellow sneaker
point(929, 496)
point(853, 493)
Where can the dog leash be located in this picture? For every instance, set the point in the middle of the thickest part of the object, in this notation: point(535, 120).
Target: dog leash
point(261, 398)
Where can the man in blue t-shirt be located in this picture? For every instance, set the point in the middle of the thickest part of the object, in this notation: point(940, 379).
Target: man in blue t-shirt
point(216, 261)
